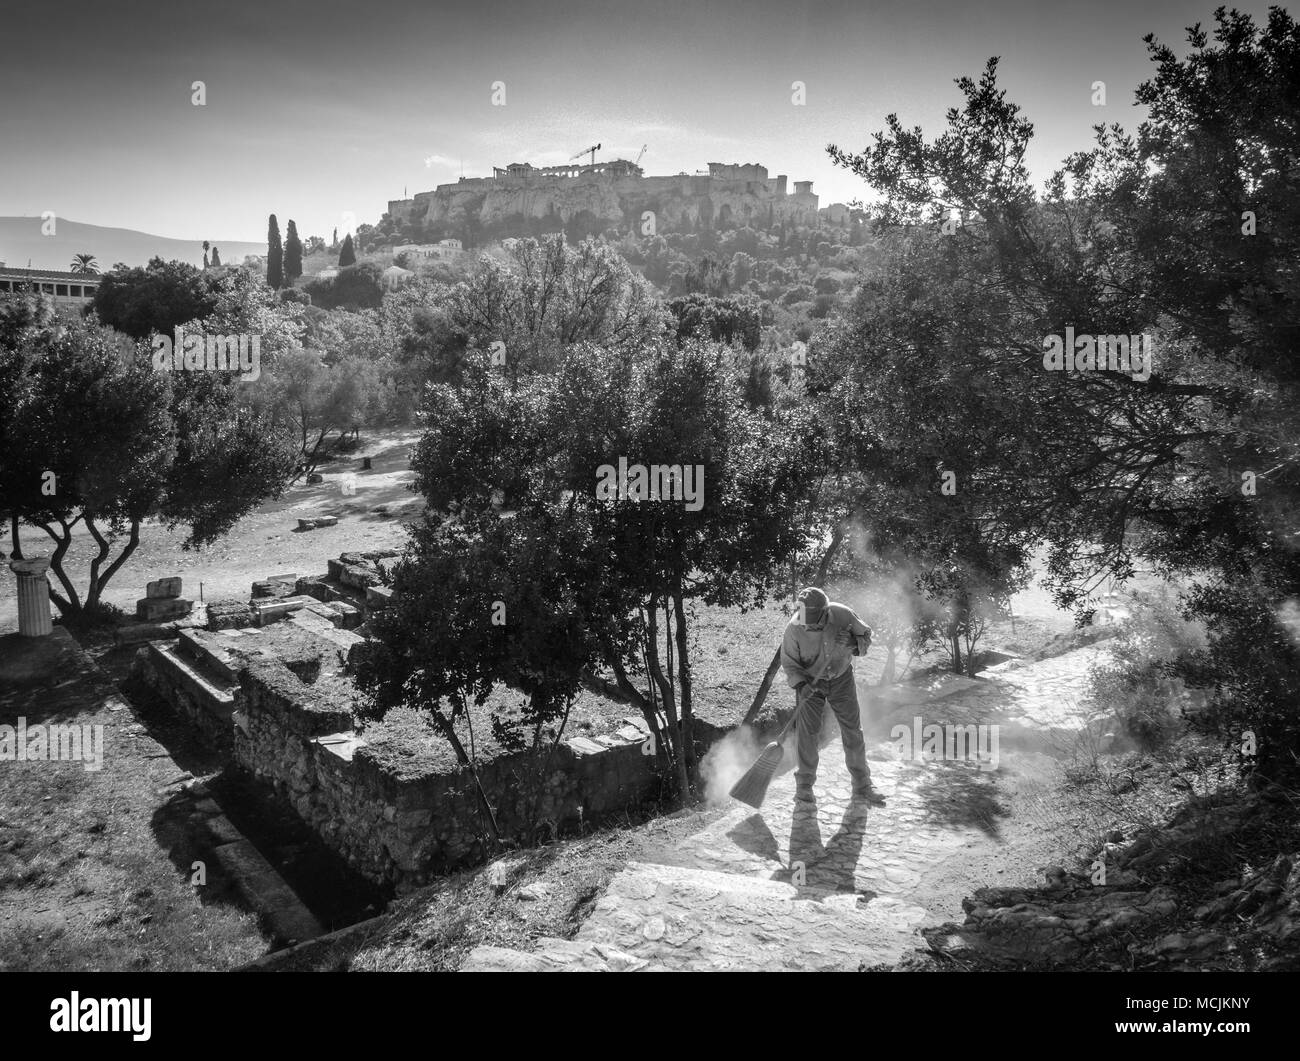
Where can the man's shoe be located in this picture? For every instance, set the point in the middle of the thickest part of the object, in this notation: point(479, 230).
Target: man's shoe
point(867, 794)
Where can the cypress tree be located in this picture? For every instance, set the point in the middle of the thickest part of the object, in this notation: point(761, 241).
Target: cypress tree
point(216, 256)
point(274, 255)
point(347, 256)
point(292, 253)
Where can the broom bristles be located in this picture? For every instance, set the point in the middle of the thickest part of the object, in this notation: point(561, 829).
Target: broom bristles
point(752, 788)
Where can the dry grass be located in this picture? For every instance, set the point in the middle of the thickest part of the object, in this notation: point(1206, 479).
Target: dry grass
point(95, 865)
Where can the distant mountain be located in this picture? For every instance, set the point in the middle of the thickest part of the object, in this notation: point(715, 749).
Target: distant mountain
point(21, 240)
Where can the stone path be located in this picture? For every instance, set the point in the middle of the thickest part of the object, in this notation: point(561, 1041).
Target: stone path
point(831, 885)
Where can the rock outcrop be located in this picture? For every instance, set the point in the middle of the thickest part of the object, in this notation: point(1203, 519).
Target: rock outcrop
point(1148, 913)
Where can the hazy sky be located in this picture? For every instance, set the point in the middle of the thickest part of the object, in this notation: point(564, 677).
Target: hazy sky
point(317, 107)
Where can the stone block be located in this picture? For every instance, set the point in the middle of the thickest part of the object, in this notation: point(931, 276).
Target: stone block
point(341, 745)
point(164, 587)
point(314, 478)
point(221, 830)
point(152, 609)
point(268, 611)
point(317, 521)
point(349, 616)
point(357, 653)
point(265, 890)
point(275, 586)
point(228, 614)
point(322, 611)
point(313, 586)
point(359, 576)
point(378, 597)
point(140, 632)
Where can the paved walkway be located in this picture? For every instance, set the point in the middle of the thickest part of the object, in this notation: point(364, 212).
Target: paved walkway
point(837, 884)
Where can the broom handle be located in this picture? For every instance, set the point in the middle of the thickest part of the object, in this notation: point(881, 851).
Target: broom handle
point(798, 706)
point(799, 699)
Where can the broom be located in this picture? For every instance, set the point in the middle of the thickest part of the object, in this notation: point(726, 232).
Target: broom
point(752, 788)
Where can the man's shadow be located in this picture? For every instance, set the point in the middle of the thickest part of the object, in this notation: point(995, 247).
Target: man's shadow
point(826, 866)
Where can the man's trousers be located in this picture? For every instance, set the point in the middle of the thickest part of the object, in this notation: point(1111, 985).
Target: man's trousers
point(842, 695)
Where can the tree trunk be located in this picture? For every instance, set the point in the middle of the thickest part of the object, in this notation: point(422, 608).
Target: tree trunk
point(132, 543)
point(13, 526)
point(684, 683)
point(92, 591)
point(887, 675)
point(446, 728)
point(628, 693)
point(539, 786)
point(655, 668)
point(72, 603)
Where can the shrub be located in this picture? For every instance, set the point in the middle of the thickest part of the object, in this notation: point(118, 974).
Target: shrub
point(1137, 687)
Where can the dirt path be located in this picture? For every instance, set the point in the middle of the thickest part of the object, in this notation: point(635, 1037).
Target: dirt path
point(265, 542)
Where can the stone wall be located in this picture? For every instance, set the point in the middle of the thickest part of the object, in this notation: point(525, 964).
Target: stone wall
point(398, 817)
point(202, 703)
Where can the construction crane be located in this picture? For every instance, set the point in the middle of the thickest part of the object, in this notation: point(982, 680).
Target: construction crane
point(587, 151)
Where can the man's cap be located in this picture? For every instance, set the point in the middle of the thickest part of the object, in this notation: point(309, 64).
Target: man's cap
point(813, 604)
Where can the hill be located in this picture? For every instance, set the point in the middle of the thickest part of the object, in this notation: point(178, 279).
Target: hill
point(21, 240)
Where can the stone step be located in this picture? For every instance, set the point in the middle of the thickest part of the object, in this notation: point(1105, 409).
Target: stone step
point(137, 633)
point(209, 693)
point(657, 917)
point(313, 621)
point(212, 653)
point(349, 615)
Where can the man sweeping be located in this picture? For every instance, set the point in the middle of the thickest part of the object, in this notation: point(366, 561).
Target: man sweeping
point(817, 653)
